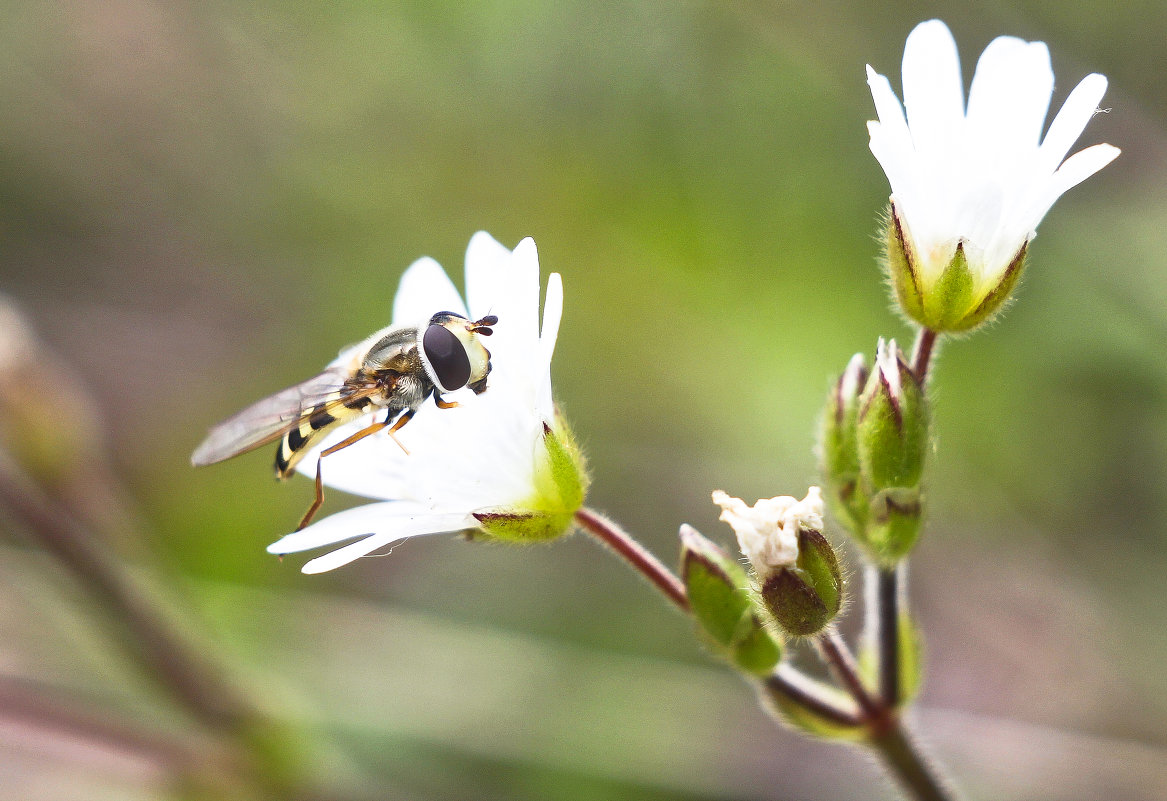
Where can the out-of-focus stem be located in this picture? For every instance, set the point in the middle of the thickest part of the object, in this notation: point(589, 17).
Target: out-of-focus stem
point(842, 666)
point(887, 595)
point(23, 704)
point(909, 767)
point(149, 637)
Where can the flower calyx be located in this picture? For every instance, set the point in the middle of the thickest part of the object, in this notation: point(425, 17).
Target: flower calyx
point(948, 290)
point(560, 482)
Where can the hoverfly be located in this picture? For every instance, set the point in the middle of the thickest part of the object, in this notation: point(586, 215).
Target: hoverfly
point(394, 370)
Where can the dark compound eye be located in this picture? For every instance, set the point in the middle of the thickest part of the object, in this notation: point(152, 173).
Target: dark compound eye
point(447, 357)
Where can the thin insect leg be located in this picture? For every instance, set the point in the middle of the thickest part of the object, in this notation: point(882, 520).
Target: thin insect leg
point(319, 499)
point(405, 417)
point(357, 437)
point(364, 432)
point(444, 404)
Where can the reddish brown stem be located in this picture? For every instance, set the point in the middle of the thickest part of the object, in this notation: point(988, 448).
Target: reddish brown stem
point(922, 353)
point(635, 554)
point(888, 597)
point(842, 665)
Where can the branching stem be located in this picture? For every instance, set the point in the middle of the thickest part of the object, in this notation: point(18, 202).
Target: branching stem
point(842, 665)
point(884, 728)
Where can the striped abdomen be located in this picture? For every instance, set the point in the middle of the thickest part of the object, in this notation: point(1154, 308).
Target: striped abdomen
point(313, 425)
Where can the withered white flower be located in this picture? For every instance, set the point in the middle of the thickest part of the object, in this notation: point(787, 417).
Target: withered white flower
point(970, 183)
point(768, 531)
point(502, 462)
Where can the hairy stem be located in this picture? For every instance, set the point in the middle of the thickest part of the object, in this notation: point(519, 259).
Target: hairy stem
point(631, 551)
point(788, 683)
point(785, 681)
point(887, 734)
point(842, 666)
point(922, 353)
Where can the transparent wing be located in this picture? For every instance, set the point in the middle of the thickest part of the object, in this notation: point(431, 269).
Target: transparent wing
point(269, 419)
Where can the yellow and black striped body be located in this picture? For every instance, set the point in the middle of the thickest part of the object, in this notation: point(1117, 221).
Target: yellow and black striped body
point(390, 380)
point(315, 423)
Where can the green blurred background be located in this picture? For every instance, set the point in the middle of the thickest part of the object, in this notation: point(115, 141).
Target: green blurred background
point(201, 202)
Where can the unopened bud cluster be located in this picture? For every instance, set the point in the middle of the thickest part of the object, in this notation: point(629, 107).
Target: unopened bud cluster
point(874, 443)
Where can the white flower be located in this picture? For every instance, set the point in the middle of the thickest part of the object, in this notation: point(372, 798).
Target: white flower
point(979, 176)
point(501, 462)
point(768, 531)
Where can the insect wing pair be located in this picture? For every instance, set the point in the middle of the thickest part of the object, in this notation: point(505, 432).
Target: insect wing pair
point(394, 371)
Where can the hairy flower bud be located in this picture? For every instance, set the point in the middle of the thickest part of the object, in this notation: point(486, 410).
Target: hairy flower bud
point(795, 569)
point(892, 440)
point(838, 447)
point(718, 593)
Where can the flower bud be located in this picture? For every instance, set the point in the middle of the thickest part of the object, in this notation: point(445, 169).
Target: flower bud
point(838, 448)
point(721, 603)
point(892, 424)
point(950, 289)
point(796, 570)
point(892, 440)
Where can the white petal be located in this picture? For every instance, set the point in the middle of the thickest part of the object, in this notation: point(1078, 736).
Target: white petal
point(343, 556)
point(1071, 120)
point(1074, 170)
point(349, 553)
point(552, 315)
point(892, 130)
point(487, 273)
point(1010, 95)
point(933, 87)
point(356, 522)
point(505, 284)
point(404, 529)
point(891, 141)
point(425, 289)
point(887, 107)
